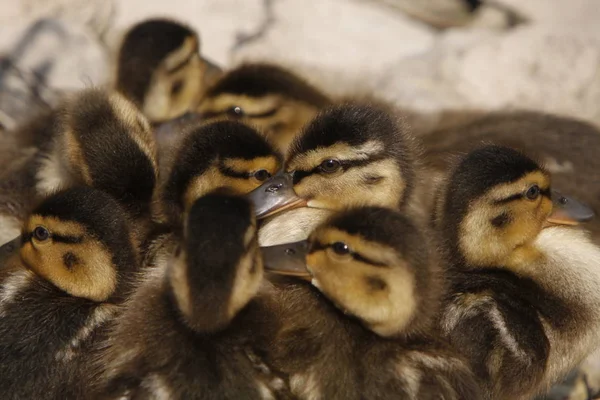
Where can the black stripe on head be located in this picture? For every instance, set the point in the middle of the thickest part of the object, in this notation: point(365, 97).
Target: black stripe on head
point(144, 47)
point(101, 216)
point(318, 246)
point(116, 163)
point(298, 175)
point(257, 80)
point(386, 227)
point(353, 123)
point(205, 144)
point(215, 229)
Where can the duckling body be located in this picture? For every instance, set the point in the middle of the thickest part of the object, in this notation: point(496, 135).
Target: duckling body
point(76, 263)
point(523, 297)
point(101, 140)
point(361, 329)
point(566, 146)
point(183, 335)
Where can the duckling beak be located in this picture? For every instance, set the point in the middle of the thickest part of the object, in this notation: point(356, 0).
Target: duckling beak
point(568, 211)
point(167, 131)
point(287, 259)
point(275, 195)
point(9, 248)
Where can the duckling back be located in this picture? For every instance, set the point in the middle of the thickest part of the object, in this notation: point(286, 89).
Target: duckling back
point(183, 335)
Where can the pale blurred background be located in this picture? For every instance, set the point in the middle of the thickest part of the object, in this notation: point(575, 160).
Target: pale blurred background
point(426, 55)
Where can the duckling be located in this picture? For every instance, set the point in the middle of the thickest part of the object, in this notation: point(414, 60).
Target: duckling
point(60, 284)
point(565, 145)
point(182, 334)
point(160, 69)
point(350, 155)
point(273, 99)
point(523, 300)
point(364, 326)
point(218, 154)
point(103, 141)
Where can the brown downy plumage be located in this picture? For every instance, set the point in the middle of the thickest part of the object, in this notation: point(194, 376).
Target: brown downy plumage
point(185, 333)
point(100, 140)
point(365, 325)
point(523, 298)
point(60, 284)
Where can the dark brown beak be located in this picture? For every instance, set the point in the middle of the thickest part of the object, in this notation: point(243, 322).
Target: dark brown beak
point(275, 195)
point(287, 259)
point(568, 211)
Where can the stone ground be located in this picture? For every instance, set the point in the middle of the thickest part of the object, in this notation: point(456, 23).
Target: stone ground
point(423, 55)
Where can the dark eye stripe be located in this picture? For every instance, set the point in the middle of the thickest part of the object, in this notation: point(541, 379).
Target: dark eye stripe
point(233, 173)
point(265, 114)
point(317, 246)
point(345, 164)
point(517, 196)
point(66, 239)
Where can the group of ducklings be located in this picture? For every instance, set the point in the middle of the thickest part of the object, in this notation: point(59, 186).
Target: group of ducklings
point(198, 234)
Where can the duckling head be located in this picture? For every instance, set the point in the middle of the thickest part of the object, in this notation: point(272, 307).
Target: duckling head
point(349, 155)
point(105, 142)
point(271, 98)
point(219, 268)
point(79, 240)
point(159, 67)
point(372, 263)
point(496, 203)
point(219, 154)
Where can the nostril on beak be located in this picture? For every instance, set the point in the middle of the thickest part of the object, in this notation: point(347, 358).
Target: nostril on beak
point(290, 252)
point(274, 187)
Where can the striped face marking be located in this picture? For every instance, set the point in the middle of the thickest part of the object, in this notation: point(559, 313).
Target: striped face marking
point(64, 253)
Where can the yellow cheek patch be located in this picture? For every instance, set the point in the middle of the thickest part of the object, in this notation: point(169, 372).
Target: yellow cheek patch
point(341, 151)
point(240, 165)
point(90, 274)
point(510, 244)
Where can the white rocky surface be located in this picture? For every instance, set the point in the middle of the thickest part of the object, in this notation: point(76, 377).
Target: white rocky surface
point(386, 47)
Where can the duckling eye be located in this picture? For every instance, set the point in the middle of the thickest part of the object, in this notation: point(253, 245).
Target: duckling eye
point(41, 234)
point(340, 248)
point(330, 166)
point(262, 175)
point(236, 111)
point(533, 192)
